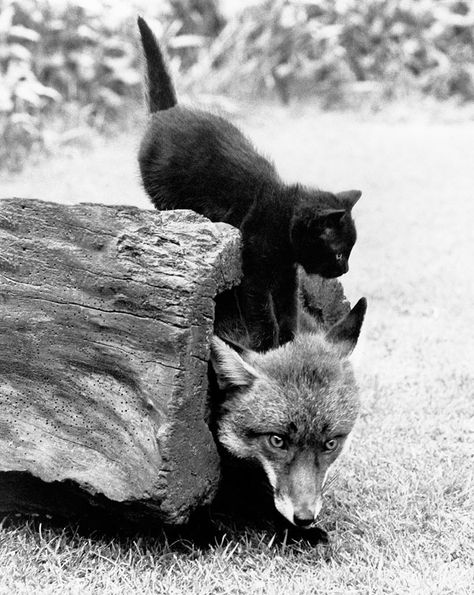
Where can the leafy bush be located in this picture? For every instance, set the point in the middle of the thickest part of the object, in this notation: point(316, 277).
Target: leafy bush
point(334, 45)
point(67, 64)
point(76, 63)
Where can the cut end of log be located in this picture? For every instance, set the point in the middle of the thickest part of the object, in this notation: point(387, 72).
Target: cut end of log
point(106, 314)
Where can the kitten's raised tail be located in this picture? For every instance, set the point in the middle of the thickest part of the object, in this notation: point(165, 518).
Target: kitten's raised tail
point(161, 93)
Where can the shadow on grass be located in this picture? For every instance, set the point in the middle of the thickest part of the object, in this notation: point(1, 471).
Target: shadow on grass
point(242, 511)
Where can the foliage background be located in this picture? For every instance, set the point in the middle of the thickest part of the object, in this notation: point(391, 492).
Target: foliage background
point(67, 65)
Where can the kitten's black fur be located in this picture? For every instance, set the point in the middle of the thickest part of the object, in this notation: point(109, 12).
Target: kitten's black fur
point(196, 160)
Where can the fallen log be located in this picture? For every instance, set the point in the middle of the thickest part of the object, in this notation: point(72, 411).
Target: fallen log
point(105, 320)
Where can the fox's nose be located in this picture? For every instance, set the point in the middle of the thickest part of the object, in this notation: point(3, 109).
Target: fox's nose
point(303, 519)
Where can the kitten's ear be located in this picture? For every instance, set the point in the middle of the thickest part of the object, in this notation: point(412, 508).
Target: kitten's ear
point(346, 332)
point(349, 198)
point(332, 217)
point(231, 370)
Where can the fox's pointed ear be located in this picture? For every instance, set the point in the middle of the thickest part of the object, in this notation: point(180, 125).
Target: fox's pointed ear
point(346, 332)
point(231, 370)
point(240, 349)
point(349, 198)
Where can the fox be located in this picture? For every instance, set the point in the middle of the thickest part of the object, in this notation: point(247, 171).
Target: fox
point(289, 410)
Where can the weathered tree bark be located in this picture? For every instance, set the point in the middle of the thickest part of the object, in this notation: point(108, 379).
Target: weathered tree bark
point(105, 320)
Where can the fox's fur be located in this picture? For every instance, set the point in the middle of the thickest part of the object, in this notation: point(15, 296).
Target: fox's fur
point(290, 410)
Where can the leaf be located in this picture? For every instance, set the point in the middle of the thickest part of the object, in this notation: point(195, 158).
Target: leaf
point(22, 118)
point(48, 92)
point(121, 70)
point(288, 16)
point(26, 92)
point(110, 98)
point(450, 19)
point(128, 76)
point(32, 91)
point(6, 103)
point(85, 33)
point(330, 31)
point(284, 70)
point(19, 52)
point(6, 17)
point(21, 32)
point(86, 65)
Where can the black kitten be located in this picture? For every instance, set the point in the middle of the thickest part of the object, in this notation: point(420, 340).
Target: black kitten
point(196, 160)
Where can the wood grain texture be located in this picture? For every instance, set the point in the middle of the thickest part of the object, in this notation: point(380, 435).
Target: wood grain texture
point(105, 319)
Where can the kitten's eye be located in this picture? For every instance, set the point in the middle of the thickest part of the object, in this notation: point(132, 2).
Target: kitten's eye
point(331, 445)
point(339, 256)
point(277, 441)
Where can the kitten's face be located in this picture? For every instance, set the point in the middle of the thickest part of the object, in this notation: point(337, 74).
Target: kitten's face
point(322, 242)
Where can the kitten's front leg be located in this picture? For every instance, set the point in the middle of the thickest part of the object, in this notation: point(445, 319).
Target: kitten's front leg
point(286, 305)
point(257, 309)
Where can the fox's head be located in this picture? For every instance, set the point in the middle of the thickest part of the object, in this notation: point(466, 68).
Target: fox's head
point(291, 410)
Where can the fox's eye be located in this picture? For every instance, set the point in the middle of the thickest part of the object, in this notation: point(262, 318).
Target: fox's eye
point(276, 441)
point(331, 445)
point(339, 256)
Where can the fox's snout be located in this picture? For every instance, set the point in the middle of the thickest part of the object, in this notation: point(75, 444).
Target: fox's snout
point(298, 489)
point(302, 515)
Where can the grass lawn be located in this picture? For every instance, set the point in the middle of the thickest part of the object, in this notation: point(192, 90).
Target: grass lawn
point(400, 514)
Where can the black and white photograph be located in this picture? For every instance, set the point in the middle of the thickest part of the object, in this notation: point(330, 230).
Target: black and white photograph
point(236, 297)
